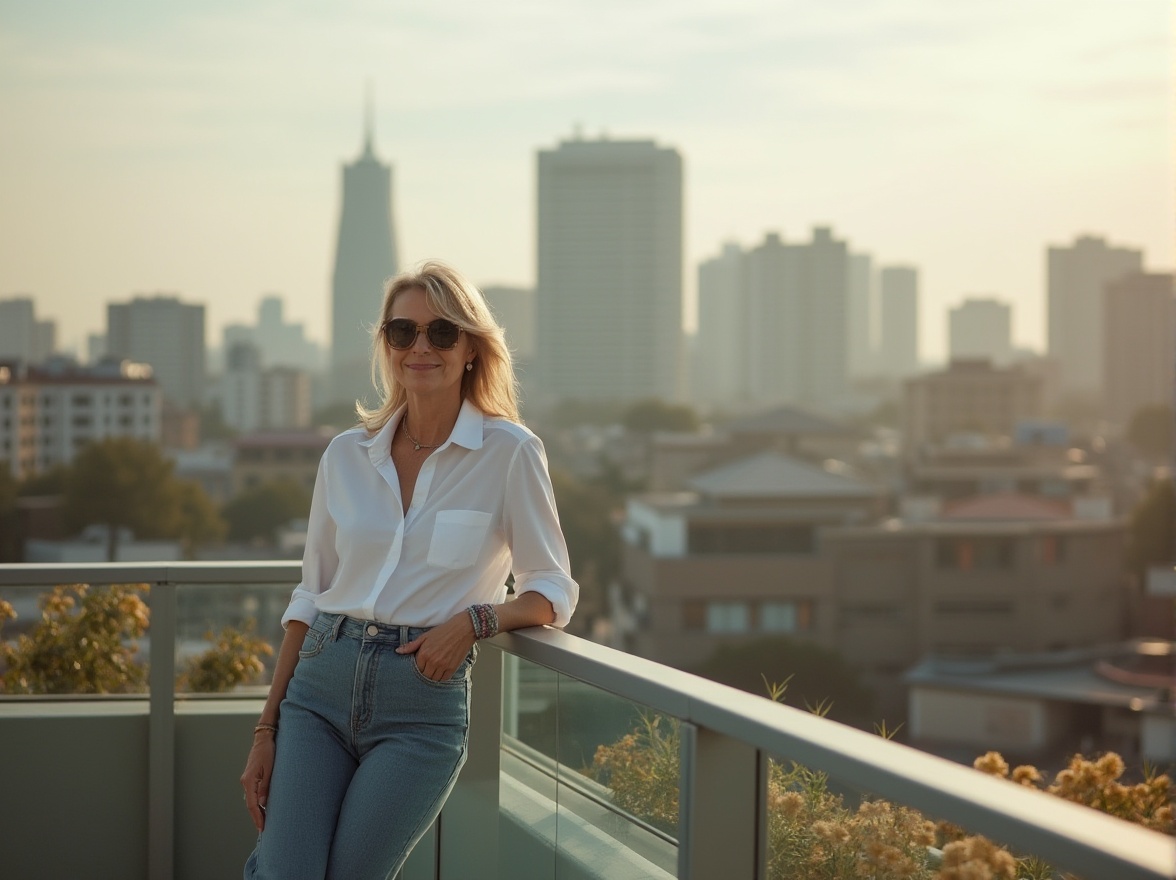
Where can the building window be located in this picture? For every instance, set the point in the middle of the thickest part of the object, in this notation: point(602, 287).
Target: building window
point(727, 617)
point(969, 607)
point(974, 554)
point(80, 400)
point(1052, 549)
point(81, 421)
point(784, 617)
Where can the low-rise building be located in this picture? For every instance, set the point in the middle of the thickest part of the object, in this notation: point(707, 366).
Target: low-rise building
point(267, 457)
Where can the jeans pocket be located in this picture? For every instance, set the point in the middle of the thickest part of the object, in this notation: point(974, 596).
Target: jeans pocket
point(316, 638)
point(457, 679)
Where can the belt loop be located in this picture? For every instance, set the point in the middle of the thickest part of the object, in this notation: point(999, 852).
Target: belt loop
point(404, 639)
point(338, 625)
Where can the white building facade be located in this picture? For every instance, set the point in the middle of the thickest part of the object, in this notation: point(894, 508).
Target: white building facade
point(609, 272)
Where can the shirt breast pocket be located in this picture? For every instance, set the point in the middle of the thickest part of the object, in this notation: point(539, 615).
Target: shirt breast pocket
point(458, 536)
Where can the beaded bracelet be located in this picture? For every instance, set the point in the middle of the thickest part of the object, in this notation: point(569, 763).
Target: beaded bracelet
point(485, 621)
point(266, 726)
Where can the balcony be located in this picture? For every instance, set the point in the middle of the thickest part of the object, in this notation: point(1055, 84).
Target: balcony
point(146, 786)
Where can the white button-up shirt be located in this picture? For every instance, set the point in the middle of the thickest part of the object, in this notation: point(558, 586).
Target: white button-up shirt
point(482, 507)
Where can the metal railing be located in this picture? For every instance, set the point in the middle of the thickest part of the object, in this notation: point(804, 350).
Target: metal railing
point(728, 738)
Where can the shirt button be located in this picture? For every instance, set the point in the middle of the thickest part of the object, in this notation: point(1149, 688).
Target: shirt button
point(373, 630)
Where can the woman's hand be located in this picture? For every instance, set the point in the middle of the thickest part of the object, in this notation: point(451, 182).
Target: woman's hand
point(259, 767)
point(443, 648)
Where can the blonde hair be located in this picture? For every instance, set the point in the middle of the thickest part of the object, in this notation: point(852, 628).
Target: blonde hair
point(491, 385)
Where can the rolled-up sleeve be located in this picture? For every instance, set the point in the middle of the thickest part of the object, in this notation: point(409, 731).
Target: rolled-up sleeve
point(531, 524)
point(320, 560)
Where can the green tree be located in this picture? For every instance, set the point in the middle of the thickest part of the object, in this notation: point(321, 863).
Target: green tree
point(815, 676)
point(587, 516)
point(646, 416)
point(122, 482)
point(200, 522)
point(9, 534)
point(50, 482)
point(1151, 537)
point(258, 513)
point(83, 644)
point(1150, 431)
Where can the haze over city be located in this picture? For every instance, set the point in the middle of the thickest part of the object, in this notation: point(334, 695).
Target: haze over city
point(194, 149)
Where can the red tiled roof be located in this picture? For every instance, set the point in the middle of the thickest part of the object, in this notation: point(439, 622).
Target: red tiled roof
point(1007, 505)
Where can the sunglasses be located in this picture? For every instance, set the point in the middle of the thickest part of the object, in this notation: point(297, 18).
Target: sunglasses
point(401, 333)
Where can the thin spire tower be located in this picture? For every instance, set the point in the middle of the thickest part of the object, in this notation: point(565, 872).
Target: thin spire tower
point(365, 256)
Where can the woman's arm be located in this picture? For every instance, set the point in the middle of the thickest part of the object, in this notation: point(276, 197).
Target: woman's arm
point(441, 650)
point(259, 766)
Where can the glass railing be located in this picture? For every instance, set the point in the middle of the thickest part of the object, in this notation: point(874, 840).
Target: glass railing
point(584, 763)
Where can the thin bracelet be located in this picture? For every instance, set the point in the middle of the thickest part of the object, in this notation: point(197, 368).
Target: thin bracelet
point(265, 726)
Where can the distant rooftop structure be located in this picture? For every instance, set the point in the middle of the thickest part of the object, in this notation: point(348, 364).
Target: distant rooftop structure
point(787, 420)
point(1007, 506)
point(771, 475)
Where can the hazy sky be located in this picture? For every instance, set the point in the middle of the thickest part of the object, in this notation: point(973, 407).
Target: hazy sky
point(195, 147)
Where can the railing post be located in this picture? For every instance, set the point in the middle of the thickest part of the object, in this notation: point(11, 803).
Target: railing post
point(161, 735)
point(721, 830)
point(468, 826)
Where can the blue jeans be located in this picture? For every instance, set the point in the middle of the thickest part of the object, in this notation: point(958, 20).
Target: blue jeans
point(367, 752)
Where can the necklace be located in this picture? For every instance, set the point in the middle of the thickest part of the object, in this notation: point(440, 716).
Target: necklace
point(417, 446)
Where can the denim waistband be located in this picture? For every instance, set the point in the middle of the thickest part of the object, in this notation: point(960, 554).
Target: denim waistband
point(343, 626)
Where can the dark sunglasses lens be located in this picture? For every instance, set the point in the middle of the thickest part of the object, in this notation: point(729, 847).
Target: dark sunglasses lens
point(443, 334)
point(400, 332)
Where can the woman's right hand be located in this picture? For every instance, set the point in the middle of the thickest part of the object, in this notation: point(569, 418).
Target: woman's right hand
point(259, 767)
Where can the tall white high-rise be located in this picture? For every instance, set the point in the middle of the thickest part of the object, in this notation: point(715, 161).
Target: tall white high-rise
point(1139, 344)
point(609, 273)
point(981, 328)
point(898, 324)
point(1077, 277)
point(168, 335)
point(719, 371)
point(22, 337)
point(860, 316)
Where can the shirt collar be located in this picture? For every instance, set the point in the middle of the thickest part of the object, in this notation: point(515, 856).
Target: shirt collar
point(467, 432)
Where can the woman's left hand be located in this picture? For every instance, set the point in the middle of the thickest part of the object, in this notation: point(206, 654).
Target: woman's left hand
point(443, 648)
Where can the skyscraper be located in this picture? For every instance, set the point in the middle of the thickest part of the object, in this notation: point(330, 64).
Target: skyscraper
point(1139, 324)
point(22, 336)
point(168, 335)
point(981, 328)
point(1077, 277)
point(720, 366)
point(365, 256)
point(797, 329)
point(898, 325)
point(860, 316)
point(610, 270)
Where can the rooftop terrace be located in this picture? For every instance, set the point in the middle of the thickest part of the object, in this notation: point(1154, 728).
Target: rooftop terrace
point(147, 787)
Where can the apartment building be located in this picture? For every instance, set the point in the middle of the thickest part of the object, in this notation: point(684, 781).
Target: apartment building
point(48, 414)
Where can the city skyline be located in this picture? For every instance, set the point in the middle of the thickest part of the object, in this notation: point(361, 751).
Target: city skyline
point(157, 150)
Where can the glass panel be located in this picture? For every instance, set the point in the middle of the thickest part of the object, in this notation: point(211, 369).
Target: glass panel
point(619, 779)
point(227, 636)
point(527, 783)
point(823, 826)
point(74, 639)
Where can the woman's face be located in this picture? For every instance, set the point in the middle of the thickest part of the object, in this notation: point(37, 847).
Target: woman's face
point(422, 369)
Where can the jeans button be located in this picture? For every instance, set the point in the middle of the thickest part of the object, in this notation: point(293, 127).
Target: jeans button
point(373, 630)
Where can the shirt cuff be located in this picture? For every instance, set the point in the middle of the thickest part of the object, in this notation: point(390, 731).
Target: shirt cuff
point(562, 597)
point(301, 609)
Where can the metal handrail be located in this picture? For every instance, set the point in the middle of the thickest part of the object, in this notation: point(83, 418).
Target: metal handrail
point(1065, 834)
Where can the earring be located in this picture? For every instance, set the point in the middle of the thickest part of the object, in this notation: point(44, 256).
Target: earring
point(469, 366)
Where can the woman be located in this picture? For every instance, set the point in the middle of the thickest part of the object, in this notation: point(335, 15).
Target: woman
point(417, 519)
